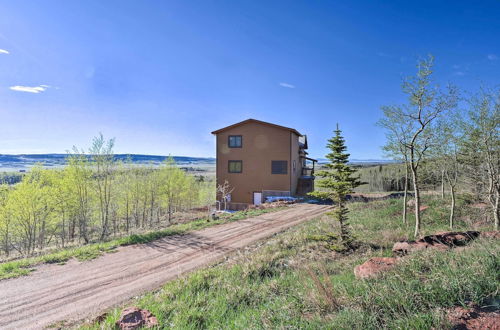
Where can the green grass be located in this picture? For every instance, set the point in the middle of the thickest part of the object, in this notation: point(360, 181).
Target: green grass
point(24, 266)
point(295, 282)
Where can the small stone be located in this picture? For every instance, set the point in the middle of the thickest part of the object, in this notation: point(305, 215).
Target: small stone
point(373, 267)
point(135, 318)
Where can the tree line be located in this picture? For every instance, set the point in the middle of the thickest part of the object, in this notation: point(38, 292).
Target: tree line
point(93, 198)
point(447, 132)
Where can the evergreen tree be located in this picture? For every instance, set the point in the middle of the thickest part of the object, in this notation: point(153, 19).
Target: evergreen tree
point(338, 182)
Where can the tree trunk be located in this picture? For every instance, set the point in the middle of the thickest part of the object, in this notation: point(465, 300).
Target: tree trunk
point(442, 184)
point(127, 217)
point(83, 229)
point(496, 210)
point(416, 190)
point(151, 210)
point(452, 208)
point(63, 229)
point(6, 247)
point(169, 212)
point(405, 195)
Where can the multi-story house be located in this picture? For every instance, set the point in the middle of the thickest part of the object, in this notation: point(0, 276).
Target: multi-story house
point(260, 159)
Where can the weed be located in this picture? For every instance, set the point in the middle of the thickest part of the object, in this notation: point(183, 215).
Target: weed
point(292, 282)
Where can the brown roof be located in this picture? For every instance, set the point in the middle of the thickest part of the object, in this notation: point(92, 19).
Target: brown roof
point(258, 122)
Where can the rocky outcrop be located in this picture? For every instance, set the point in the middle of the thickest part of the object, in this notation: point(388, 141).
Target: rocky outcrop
point(491, 234)
point(441, 241)
point(373, 267)
point(135, 318)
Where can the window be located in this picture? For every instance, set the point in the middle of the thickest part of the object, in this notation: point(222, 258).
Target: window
point(279, 167)
point(235, 166)
point(235, 141)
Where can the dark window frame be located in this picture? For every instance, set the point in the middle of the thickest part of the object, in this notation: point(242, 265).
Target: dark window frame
point(229, 141)
point(234, 161)
point(285, 167)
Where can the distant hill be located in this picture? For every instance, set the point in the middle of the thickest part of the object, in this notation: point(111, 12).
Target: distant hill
point(25, 161)
point(365, 162)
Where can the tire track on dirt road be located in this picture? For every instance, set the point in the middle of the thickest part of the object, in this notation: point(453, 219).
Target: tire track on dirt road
point(76, 290)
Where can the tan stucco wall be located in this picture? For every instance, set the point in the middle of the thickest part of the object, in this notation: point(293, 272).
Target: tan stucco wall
point(261, 145)
point(295, 174)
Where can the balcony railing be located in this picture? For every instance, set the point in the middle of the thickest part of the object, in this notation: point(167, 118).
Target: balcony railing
point(308, 166)
point(307, 171)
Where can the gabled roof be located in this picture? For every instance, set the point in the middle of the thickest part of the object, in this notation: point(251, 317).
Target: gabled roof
point(257, 122)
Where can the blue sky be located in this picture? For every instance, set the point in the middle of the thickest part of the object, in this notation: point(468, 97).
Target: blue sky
point(159, 76)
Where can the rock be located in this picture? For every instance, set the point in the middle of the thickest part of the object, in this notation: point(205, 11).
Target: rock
point(101, 317)
point(406, 247)
point(401, 248)
point(423, 208)
point(491, 234)
point(451, 238)
point(373, 267)
point(474, 318)
point(135, 318)
point(440, 241)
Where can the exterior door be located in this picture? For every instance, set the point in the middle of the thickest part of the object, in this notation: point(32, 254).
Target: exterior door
point(257, 198)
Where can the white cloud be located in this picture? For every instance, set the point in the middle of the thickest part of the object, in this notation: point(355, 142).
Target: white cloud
point(459, 73)
point(286, 85)
point(4, 51)
point(492, 57)
point(28, 89)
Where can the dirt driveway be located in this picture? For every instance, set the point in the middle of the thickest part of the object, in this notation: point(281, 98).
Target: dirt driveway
point(77, 290)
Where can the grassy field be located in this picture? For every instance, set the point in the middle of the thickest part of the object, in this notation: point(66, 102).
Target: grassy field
point(24, 266)
point(293, 281)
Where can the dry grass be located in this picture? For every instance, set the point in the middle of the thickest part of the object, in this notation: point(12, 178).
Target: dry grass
point(292, 282)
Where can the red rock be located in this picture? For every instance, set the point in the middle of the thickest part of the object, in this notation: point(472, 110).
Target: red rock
point(491, 234)
point(423, 208)
point(135, 318)
point(403, 248)
point(440, 241)
point(451, 238)
point(474, 319)
point(373, 267)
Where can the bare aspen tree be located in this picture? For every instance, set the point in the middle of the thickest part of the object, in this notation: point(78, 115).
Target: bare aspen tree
point(223, 191)
point(426, 102)
point(446, 154)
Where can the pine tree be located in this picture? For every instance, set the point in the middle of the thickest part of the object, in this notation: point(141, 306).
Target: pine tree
point(338, 181)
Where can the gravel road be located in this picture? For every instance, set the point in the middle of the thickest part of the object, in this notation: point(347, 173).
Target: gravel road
point(79, 290)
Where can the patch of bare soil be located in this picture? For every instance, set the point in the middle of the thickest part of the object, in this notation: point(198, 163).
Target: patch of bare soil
point(75, 291)
point(479, 205)
point(474, 318)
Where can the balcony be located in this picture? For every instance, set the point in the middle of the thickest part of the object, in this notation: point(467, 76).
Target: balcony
point(308, 167)
point(307, 171)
